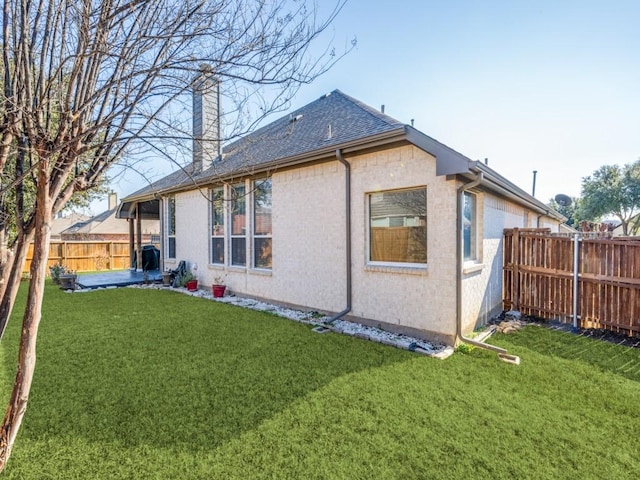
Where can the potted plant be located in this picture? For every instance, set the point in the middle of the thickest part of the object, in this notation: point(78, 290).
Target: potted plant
point(189, 281)
point(218, 287)
point(167, 277)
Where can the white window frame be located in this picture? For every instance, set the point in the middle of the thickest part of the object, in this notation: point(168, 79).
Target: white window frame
point(212, 218)
point(170, 231)
point(376, 263)
point(254, 235)
point(472, 241)
point(232, 236)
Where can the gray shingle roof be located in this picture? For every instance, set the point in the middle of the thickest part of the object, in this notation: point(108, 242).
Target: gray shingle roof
point(303, 135)
point(332, 120)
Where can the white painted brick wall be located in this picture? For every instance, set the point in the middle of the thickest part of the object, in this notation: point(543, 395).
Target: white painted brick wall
point(482, 289)
point(420, 299)
point(309, 245)
point(192, 229)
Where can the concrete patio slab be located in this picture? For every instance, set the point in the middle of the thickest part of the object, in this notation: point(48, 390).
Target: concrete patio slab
point(120, 278)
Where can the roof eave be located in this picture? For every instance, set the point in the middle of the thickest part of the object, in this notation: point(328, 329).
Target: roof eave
point(496, 181)
point(380, 139)
point(448, 161)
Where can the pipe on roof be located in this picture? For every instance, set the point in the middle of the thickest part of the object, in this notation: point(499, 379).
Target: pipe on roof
point(510, 190)
point(347, 200)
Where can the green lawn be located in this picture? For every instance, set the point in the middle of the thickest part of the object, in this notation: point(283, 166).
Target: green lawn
point(149, 384)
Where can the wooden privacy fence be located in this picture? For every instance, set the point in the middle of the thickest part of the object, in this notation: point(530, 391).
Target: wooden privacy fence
point(539, 272)
point(86, 256)
point(398, 244)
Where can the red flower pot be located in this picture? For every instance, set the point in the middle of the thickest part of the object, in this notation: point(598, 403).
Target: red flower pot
point(218, 290)
point(192, 285)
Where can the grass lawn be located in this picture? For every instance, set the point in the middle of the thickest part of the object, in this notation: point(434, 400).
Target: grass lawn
point(149, 384)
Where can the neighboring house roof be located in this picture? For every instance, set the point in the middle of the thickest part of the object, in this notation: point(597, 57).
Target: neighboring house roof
point(60, 224)
point(104, 223)
point(314, 132)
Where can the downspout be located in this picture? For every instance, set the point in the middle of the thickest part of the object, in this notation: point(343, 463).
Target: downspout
point(539, 217)
point(347, 201)
point(459, 262)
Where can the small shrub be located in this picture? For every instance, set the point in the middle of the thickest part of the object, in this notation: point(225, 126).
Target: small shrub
point(183, 279)
point(56, 270)
point(465, 348)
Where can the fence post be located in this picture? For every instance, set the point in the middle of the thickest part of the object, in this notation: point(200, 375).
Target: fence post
point(576, 276)
point(515, 280)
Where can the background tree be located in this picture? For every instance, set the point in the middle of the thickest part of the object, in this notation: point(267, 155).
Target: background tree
point(573, 211)
point(613, 191)
point(88, 83)
point(11, 196)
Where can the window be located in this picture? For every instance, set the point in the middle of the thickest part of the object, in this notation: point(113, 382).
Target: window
point(469, 241)
point(238, 225)
point(262, 224)
point(398, 226)
point(217, 225)
point(171, 227)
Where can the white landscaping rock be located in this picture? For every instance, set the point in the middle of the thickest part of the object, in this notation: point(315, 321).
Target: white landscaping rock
point(341, 326)
point(513, 315)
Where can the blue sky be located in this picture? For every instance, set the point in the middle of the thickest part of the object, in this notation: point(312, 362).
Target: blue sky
point(552, 86)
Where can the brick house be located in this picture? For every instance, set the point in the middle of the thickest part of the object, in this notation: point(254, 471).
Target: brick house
point(340, 208)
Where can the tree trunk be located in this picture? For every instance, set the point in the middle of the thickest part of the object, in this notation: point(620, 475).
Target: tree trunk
point(11, 280)
point(30, 322)
point(625, 228)
point(633, 225)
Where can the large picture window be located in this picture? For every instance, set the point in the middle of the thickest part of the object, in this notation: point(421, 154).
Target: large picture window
point(398, 226)
point(217, 225)
point(171, 227)
point(262, 224)
point(238, 225)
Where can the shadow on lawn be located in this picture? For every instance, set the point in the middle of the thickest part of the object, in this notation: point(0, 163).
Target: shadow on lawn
point(158, 368)
point(609, 357)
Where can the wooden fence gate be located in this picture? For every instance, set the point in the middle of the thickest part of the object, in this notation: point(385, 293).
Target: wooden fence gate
point(540, 270)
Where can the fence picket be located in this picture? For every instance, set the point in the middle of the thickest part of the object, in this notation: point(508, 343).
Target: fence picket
point(538, 278)
point(87, 256)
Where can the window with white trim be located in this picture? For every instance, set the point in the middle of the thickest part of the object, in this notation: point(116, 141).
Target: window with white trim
point(398, 226)
point(469, 227)
point(217, 225)
point(262, 224)
point(171, 227)
point(238, 224)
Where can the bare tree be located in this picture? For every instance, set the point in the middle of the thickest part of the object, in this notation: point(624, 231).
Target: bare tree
point(86, 82)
